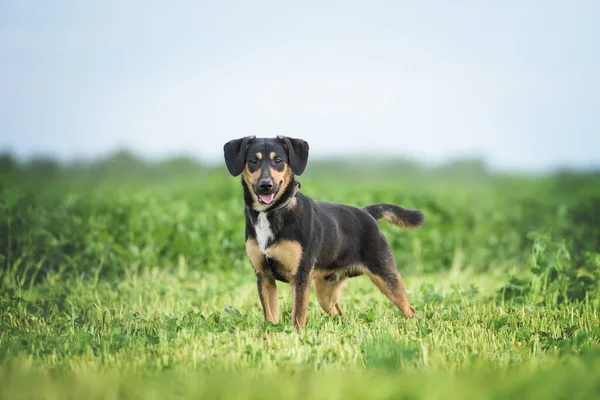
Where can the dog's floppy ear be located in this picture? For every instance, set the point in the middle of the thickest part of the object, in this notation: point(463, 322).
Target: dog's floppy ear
point(297, 153)
point(235, 154)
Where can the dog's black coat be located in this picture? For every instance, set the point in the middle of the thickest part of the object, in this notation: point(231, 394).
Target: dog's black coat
point(338, 241)
point(334, 237)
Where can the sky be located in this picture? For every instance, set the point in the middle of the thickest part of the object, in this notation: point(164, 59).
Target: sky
point(515, 82)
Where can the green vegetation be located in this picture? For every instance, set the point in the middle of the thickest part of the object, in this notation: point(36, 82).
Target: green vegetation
point(123, 279)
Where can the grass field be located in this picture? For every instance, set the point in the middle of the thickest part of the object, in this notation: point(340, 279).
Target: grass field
point(140, 288)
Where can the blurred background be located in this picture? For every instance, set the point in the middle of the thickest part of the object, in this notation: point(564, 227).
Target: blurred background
point(122, 234)
point(144, 86)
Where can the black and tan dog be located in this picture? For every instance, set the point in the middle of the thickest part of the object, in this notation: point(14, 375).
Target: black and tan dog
point(292, 238)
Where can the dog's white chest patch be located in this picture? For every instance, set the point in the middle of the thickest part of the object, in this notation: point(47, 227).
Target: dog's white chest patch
point(263, 231)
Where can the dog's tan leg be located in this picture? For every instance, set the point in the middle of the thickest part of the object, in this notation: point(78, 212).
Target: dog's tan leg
point(300, 297)
point(267, 291)
point(391, 284)
point(328, 295)
point(273, 302)
point(265, 282)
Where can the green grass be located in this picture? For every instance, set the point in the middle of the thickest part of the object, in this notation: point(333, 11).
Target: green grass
point(187, 322)
point(145, 292)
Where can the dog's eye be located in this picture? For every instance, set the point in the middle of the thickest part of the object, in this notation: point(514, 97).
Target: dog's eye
point(277, 160)
point(253, 161)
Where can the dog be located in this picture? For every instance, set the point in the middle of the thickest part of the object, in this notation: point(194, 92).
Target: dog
point(294, 239)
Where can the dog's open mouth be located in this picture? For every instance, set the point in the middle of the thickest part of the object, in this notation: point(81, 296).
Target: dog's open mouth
point(266, 198)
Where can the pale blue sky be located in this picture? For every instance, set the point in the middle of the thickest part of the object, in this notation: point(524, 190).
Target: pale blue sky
point(514, 81)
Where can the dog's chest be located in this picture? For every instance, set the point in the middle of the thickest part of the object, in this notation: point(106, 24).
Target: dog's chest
point(264, 234)
point(282, 257)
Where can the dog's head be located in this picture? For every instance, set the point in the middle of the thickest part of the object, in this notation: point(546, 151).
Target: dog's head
point(267, 165)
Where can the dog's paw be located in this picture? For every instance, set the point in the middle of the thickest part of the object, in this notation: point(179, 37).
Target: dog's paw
point(409, 312)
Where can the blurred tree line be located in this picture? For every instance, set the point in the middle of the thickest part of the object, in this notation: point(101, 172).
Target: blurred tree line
point(121, 165)
point(124, 165)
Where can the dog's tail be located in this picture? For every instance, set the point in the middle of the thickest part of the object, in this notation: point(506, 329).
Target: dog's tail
point(396, 215)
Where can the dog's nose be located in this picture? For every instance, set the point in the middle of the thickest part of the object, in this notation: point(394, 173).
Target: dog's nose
point(265, 184)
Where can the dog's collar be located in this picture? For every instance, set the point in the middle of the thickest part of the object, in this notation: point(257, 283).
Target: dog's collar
point(289, 199)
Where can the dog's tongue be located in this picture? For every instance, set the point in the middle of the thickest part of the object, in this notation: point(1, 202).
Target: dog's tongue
point(267, 198)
